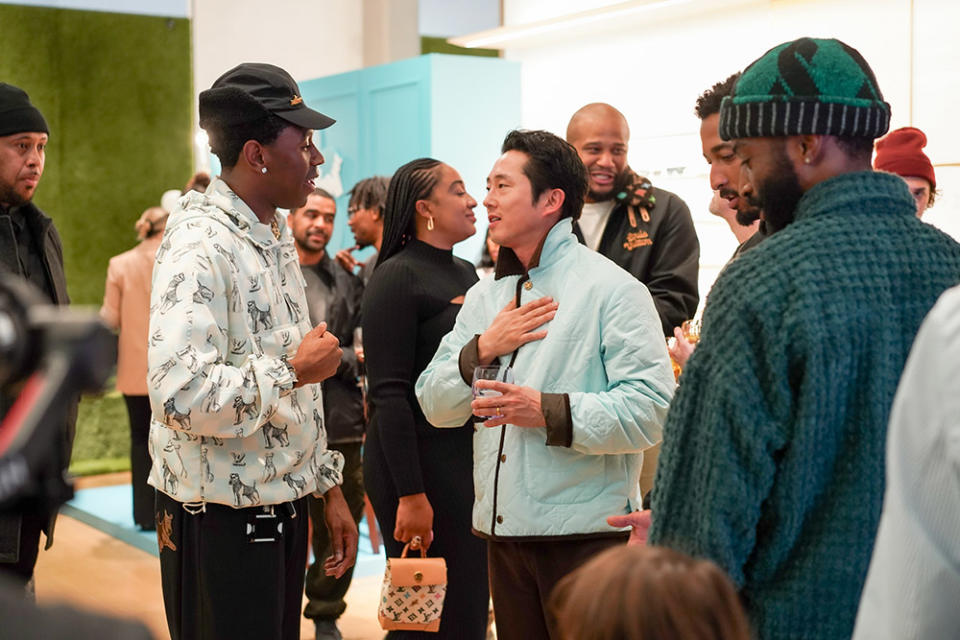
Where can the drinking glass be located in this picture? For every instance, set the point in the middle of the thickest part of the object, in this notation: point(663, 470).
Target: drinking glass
point(500, 373)
point(361, 367)
point(671, 341)
point(691, 331)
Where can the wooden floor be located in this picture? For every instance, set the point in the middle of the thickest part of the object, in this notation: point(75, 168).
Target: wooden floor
point(92, 570)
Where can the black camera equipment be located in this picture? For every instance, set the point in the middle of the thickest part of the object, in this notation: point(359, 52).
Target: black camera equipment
point(48, 355)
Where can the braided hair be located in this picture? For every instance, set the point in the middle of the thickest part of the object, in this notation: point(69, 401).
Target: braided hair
point(412, 182)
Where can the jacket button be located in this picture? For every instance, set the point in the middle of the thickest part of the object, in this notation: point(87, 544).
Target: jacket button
point(503, 458)
point(499, 519)
point(528, 285)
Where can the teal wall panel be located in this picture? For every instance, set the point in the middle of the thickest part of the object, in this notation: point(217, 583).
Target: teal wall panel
point(454, 108)
point(396, 133)
point(397, 114)
point(475, 102)
point(339, 145)
point(338, 97)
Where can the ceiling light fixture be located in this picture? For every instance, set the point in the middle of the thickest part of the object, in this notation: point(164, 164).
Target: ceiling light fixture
point(501, 37)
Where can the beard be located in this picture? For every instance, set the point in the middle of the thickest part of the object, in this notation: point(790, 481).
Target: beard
point(309, 245)
point(10, 198)
point(747, 212)
point(620, 183)
point(779, 193)
point(362, 241)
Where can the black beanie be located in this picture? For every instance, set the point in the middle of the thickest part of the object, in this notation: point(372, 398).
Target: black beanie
point(17, 114)
point(808, 86)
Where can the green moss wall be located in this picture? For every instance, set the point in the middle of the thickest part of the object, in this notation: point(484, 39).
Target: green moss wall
point(116, 91)
point(431, 44)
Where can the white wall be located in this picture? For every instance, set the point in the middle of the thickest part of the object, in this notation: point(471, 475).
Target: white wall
point(308, 38)
point(525, 11)
point(937, 90)
point(390, 31)
point(653, 66)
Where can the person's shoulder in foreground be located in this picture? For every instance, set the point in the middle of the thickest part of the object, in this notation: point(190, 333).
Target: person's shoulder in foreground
point(914, 582)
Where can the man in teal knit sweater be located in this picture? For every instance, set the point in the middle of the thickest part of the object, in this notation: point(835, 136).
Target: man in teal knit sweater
point(773, 453)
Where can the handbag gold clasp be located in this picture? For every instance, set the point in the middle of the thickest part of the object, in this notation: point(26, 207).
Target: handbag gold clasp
point(418, 576)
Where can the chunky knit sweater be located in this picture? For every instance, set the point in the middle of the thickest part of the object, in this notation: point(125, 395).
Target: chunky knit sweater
point(773, 452)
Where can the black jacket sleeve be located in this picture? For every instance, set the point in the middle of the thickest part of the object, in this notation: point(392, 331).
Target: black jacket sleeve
point(674, 264)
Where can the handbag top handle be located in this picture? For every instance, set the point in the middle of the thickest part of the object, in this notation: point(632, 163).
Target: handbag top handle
point(414, 545)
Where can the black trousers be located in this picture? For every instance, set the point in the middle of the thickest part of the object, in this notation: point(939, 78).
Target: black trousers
point(522, 576)
point(24, 527)
point(217, 584)
point(325, 593)
point(446, 463)
point(138, 410)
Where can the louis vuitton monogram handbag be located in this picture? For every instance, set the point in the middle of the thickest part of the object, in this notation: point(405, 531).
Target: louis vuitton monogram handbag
point(413, 591)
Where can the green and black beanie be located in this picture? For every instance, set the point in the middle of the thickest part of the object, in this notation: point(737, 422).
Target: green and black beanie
point(808, 86)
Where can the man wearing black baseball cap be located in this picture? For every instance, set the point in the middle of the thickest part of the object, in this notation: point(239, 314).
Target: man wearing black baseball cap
point(30, 248)
point(237, 435)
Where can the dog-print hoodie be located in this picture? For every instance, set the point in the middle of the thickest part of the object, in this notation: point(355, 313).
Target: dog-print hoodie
point(227, 305)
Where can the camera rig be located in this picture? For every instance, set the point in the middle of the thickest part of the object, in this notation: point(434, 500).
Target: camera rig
point(48, 355)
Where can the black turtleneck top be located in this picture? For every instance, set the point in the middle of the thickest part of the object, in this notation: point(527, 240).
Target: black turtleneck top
point(407, 310)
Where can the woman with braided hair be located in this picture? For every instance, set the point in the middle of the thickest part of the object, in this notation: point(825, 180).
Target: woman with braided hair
point(418, 478)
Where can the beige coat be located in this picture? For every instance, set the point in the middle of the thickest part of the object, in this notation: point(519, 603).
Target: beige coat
point(126, 306)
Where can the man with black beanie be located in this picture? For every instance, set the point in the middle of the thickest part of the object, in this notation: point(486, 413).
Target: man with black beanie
point(773, 452)
point(30, 248)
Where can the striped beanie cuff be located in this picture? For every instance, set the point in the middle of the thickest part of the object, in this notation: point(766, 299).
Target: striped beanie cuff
point(818, 87)
point(799, 116)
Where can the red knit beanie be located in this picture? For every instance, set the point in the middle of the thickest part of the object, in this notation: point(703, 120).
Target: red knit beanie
point(901, 152)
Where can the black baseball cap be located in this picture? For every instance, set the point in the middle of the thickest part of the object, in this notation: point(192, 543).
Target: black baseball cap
point(253, 90)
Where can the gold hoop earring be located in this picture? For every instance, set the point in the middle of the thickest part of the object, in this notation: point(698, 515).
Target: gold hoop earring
point(429, 223)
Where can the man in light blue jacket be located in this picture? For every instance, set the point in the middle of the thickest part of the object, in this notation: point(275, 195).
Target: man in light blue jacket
point(593, 383)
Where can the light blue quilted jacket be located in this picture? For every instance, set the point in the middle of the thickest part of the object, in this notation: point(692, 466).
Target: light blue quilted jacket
point(604, 348)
